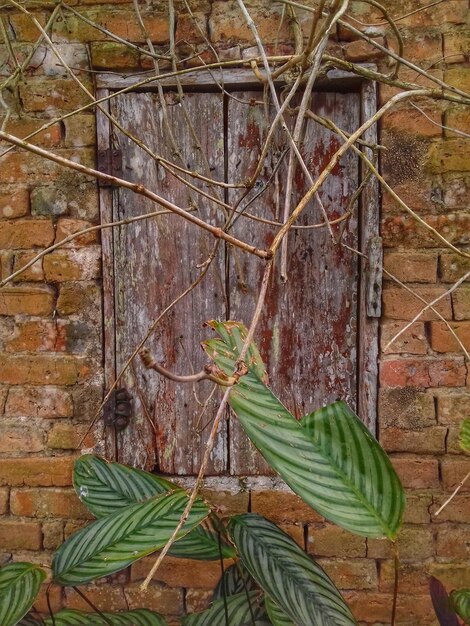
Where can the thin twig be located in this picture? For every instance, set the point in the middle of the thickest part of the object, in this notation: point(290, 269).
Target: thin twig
point(453, 494)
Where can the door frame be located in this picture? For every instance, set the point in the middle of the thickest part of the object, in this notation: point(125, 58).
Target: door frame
point(370, 263)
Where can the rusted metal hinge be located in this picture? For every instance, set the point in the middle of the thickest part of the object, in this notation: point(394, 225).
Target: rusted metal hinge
point(374, 277)
point(118, 409)
point(110, 162)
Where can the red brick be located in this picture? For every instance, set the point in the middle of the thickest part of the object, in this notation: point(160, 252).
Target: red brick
point(453, 471)
point(105, 598)
point(26, 167)
point(67, 226)
point(360, 50)
point(333, 541)
point(369, 607)
point(417, 507)
point(411, 121)
point(48, 369)
point(282, 507)
point(40, 336)
point(403, 305)
point(404, 230)
point(20, 439)
point(33, 273)
point(411, 341)
point(387, 91)
point(425, 197)
point(26, 300)
point(17, 535)
point(43, 503)
point(69, 265)
point(417, 473)
point(191, 28)
point(406, 408)
point(37, 471)
point(226, 24)
point(423, 373)
point(461, 303)
point(26, 234)
point(49, 595)
point(411, 576)
point(428, 441)
point(14, 204)
point(177, 572)
point(46, 402)
point(156, 598)
point(458, 509)
point(453, 542)
point(442, 340)
point(351, 573)
point(50, 137)
point(412, 267)
point(452, 408)
point(423, 46)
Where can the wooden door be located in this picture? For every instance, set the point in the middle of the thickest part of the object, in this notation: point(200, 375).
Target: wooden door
point(309, 331)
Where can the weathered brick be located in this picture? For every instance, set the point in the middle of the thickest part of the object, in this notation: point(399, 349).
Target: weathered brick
point(53, 535)
point(427, 441)
point(105, 598)
point(411, 121)
point(177, 572)
point(33, 273)
point(461, 303)
point(45, 401)
point(452, 575)
point(113, 55)
point(4, 498)
point(24, 126)
point(403, 305)
point(69, 436)
point(442, 340)
point(37, 471)
point(417, 472)
point(20, 438)
point(197, 600)
point(226, 502)
point(37, 336)
point(18, 535)
point(453, 542)
point(423, 373)
point(456, 190)
point(156, 598)
point(26, 300)
point(80, 130)
point(24, 27)
point(191, 28)
point(412, 267)
point(453, 267)
point(26, 233)
point(78, 298)
point(458, 509)
point(351, 573)
point(417, 507)
point(452, 408)
point(427, 197)
point(450, 155)
point(226, 24)
point(68, 226)
point(49, 598)
point(360, 50)
point(44, 369)
point(69, 265)
point(26, 167)
point(282, 507)
point(43, 503)
point(458, 77)
point(331, 540)
point(455, 120)
point(456, 46)
point(39, 94)
point(14, 204)
point(406, 407)
point(404, 230)
point(412, 341)
point(411, 576)
point(453, 471)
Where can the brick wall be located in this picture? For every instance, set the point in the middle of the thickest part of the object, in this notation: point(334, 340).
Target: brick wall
point(50, 324)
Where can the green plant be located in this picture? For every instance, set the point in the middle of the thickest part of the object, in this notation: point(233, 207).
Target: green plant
point(328, 458)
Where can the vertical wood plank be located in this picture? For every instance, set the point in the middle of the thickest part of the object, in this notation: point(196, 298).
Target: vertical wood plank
point(103, 139)
point(308, 331)
point(156, 260)
point(368, 348)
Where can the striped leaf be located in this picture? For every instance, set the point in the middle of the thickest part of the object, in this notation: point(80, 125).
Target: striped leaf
point(337, 468)
point(138, 617)
point(105, 488)
point(460, 600)
point(464, 435)
point(19, 586)
point(114, 542)
point(276, 614)
point(239, 610)
point(235, 579)
point(289, 576)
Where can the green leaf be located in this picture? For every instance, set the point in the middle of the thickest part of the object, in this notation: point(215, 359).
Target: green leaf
point(290, 577)
point(460, 600)
point(235, 579)
point(105, 488)
point(464, 435)
point(114, 542)
point(138, 617)
point(276, 614)
point(329, 458)
point(241, 609)
point(19, 586)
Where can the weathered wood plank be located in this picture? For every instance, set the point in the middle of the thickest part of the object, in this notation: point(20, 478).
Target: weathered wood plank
point(156, 260)
point(308, 332)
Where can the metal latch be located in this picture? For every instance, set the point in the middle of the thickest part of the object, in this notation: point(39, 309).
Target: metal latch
point(374, 277)
point(118, 409)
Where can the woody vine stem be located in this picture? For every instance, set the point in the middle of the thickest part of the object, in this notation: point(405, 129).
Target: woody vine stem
point(310, 60)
